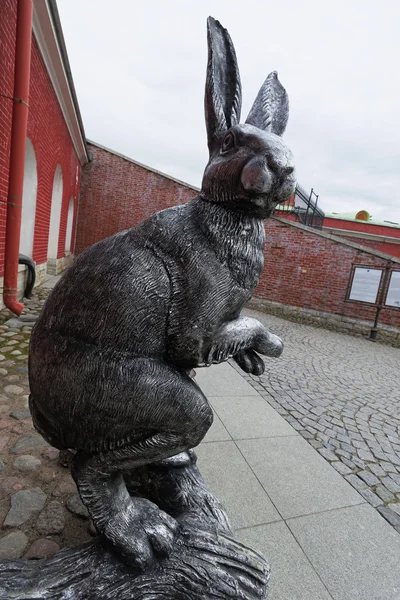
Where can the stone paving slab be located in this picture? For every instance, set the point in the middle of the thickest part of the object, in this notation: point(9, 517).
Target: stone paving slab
point(292, 575)
point(230, 478)
point(355, 552)
point(337, 549)
point(250, 417)
point(296, 478)
point(341, 393)
point(225, 381)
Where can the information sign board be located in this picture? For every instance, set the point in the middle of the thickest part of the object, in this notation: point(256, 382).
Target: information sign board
point(393, 295)
point(365, 284)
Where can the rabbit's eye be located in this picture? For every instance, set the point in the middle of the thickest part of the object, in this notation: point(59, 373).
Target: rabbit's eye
point(228, 142)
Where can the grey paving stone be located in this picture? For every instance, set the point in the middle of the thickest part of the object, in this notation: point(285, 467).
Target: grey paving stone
point(368, 477)
point(343, 389)
point(297, 492)
point(24, 504)
point(384, 493)
point(293, 578)
point(26, 462)
point(353, 551)
point(76, 506)
point(328, 454)
point(390, 484)
point(315, 444)
point(395, 507)
point(14, 390)
point(13, 545)
point(370, 497)
point(392, 517)
point(377, 470)
point(366, 456)
point(28, 442)
point(341, 468)
point(19, 415)
point(231, 479)
point(250, 417)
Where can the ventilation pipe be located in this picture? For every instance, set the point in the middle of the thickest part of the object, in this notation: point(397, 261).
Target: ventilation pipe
point(17, 154)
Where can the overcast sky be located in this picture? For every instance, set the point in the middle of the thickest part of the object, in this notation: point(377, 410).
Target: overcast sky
point(139, 71)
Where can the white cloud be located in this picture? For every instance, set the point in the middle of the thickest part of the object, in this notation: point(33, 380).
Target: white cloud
point(139, 72)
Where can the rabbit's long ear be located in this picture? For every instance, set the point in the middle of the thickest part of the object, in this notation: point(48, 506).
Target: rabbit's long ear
point(223, 95)
point(270, 110)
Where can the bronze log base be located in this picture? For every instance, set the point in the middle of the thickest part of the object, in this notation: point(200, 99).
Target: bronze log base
point(205, 563)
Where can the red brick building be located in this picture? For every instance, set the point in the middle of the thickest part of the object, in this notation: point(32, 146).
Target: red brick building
point(310, 270)
point(361, 228)
point(55, 142)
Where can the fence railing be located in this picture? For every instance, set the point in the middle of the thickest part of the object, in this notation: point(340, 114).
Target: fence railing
point(305, 207)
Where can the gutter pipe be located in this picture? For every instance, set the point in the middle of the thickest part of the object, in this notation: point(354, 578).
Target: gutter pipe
point(17, 154)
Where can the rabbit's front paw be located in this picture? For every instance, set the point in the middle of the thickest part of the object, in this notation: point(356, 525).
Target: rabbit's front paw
point(268, 344)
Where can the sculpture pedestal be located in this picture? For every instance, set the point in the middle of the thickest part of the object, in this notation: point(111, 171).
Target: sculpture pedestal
point(206, 562)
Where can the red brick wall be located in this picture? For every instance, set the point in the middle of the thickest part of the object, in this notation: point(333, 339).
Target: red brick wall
point(386, 247)
point(310, 271)
point(117, 194)
point(48, 133)
point(8, 23)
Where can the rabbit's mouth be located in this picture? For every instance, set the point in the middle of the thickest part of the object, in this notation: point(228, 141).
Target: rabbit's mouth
point(261, 206)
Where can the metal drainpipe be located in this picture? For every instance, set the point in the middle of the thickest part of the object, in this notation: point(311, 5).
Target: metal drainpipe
point(17, 153)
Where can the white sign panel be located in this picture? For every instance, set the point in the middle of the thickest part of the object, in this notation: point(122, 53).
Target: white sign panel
point(365, 284)
point(393, 295)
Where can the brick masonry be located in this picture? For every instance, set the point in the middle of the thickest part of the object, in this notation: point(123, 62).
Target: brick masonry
point(118, 193)
point(48, 133)
point(311, 270)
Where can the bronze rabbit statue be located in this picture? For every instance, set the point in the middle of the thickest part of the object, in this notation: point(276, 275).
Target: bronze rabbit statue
point(112, 349)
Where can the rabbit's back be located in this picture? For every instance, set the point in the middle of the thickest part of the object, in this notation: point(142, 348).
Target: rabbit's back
point(116, 295)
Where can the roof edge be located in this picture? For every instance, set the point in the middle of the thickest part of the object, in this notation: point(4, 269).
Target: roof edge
point(361, 234)
point(339, 240)
point(338, 217)
point(47, 29)
point(139, 164)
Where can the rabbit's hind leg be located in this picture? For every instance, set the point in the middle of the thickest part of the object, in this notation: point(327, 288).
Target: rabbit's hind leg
point(135, 527)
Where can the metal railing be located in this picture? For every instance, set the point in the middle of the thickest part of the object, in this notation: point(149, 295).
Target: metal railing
point(304, 207)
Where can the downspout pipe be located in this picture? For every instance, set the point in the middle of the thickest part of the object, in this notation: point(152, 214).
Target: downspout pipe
point(17, 154)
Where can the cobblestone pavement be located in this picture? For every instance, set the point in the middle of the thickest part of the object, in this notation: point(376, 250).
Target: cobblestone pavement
point(40, 510)
point(342, 394)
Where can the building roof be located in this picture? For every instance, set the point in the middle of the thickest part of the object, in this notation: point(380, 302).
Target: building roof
point(351, 216)
point(139, 164)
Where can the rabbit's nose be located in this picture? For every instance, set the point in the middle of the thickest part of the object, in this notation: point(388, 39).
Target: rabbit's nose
point(256, 177)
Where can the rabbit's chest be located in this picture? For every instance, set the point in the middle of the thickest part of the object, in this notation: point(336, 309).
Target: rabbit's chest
point(243, 260)
point(239, 251)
